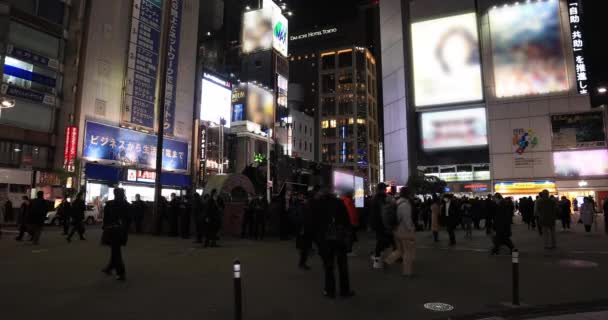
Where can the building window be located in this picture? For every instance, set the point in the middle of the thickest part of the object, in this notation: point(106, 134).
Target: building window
point(345, 58)
point(29, 38)
point(332, 123)
point(28, 76)
point(328, 83)
point(305, 129)
point(328, 106)
point(324, 124)
point(328, 61)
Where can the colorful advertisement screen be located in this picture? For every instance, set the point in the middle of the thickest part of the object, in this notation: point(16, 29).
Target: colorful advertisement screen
point(215, 100)
point(454, 129)
point(359, 192)
point(527, 49)
point(447, 66)
point(579, 130)
point(257, 30)
point(584, 163)
point(260, 105)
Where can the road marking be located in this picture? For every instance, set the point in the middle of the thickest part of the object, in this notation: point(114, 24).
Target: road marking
point(438, 306)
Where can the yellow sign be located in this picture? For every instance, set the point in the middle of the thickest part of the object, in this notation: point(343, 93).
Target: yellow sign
point(529, 187)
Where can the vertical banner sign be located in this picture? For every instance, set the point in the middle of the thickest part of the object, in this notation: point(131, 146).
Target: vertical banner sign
point(70, 147)
point(175, 22)
point(574, 15)
point(142, 64)
point(203, 152)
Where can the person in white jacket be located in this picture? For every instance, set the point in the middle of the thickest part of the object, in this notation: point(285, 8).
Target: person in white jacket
point(405, 234)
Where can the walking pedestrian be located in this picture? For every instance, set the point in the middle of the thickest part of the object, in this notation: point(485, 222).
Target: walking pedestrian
point(115, 232)
point(259, 217)
point(77, 215)
point(467, 218)
point(546, 210)
point(587, 211)
point(138, 208)
point(163, 216)
point(198, 215)
point(565, 212)
point(435, 213)
point(8, 211)
point(305, 231)
point(405, 234)
point(174, 207)
point(490, 207)
point(37, 215)
point(22, 219)
point(64, 215)
point(502, 224)
point(383, 209)
point(450, 214)
point(333, 226)
point(605, 207)
point(353, 216)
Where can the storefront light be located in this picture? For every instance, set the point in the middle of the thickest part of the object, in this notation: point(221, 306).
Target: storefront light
point(583, 183)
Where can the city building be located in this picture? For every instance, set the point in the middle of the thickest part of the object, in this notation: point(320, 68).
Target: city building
point(465, 81)
point(295, 134)
point(115, 108)
point(348, 110)
point(37, 79)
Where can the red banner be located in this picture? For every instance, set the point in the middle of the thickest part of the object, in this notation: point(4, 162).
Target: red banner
point(70, 148)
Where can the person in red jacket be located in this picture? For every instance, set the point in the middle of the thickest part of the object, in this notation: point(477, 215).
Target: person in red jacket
point(353, 216)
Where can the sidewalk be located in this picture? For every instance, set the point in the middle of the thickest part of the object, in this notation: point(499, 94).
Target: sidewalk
point(579, 316)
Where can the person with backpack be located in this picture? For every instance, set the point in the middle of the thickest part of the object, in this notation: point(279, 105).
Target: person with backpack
point(405, 234)
point(383, 219)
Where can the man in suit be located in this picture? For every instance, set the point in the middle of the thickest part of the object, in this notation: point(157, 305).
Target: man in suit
point(37, 215)
point(449, 211)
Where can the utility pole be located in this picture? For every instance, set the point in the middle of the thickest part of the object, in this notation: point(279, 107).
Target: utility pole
point(161, 79)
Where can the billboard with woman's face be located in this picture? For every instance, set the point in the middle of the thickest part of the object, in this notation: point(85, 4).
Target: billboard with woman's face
point(447, 66)
point(527, 49)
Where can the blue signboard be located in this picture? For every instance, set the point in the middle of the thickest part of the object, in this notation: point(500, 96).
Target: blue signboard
point(175, 22)
point(29, 75)
point(142, 64)
point(28, 94)
point(129, 147)
point(26, 55)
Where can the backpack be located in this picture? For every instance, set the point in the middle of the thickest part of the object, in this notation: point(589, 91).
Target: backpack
point(389, 213)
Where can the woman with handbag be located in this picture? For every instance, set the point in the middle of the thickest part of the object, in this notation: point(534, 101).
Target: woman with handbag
point(115, 223)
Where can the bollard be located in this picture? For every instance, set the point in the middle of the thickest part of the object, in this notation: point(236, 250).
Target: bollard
point(238, 299)
point(515, 262)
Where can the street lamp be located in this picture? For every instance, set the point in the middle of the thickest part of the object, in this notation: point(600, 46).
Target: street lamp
point(602, 90)
point(6, 103)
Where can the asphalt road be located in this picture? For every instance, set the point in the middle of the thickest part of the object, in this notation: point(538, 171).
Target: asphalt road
point(174, 279)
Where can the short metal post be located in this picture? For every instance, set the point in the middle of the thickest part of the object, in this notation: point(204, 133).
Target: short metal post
point(515, 262)
point(238, 299)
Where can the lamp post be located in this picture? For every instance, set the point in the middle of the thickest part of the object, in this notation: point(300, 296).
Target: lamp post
point(6, 103)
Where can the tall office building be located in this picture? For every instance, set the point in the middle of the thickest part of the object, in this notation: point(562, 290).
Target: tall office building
point(37, 78)
point(348, 109)
point(502, 80)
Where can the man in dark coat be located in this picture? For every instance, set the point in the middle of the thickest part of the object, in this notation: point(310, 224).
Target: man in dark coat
point(502, 224)
point(64, 214)
point(8, 211)
point(198, 215)
point(214, 223)
point(138, 207)
point(332, 227)
point(379, 206)
point(174, 207)
point(490, 207)
point(22, 219)
point(565, 211)
point(37, 215)
point(77, 215)
point(115, 234)
point(450, 214)
point(162, 216)
point(185, 211)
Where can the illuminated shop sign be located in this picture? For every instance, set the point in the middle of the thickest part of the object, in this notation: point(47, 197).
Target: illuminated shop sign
point(70, 148)
point(528, 187)
point(141, 176)
point(574, 16)
point(314, 34)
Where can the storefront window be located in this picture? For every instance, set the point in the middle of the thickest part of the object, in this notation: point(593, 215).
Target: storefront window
point(32, 39)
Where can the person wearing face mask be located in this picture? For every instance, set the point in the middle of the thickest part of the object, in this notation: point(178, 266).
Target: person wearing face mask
point(450, 214)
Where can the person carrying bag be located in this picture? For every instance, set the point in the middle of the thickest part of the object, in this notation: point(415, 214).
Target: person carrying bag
point(115, 232)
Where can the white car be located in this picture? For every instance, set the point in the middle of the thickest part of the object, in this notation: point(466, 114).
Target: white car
point(90, 216)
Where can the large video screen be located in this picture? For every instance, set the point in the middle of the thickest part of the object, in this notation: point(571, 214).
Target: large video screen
point(257, 30)
point(454, 129)
point(260, 105)
point(447, 67)
point(584, 163)
point(359, 192)
point(527, 49)
point(215, 100)
point(579, 130)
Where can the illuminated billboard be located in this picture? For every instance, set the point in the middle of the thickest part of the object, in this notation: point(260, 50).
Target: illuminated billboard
point(257, 30)
point(454, 129)
point(282, 86)
point(584, 163)
point(215, 100)
point(260, 105)
point(578, 130)
point(527, 49)
point(265, 28)
point(344, 182)
point(447, 66)
point(359, 192)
